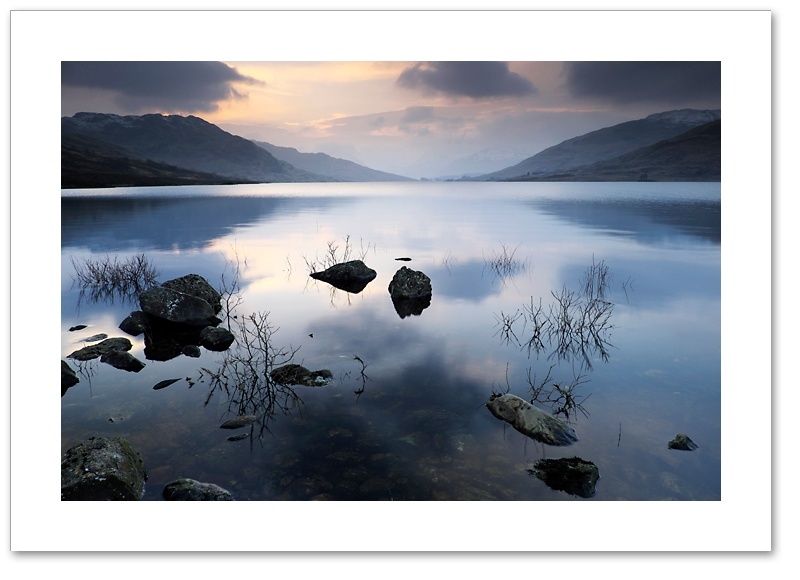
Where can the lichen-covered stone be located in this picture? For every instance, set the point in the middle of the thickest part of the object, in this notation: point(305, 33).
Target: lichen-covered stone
point(530, 421)
point(102, 469)
point(196, 285)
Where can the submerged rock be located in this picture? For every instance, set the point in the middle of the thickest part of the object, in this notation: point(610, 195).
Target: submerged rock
point(350, 276)
point(93, 351)
point(572, 475)
point(293, 374)
point(102, 469)
point(186, 489)
point(123, 361)
point(238, 422)
point(528, 420)
point(683, 443)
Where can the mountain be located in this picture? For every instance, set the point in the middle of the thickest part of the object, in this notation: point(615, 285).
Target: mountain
point(333, 167)
point(188, 143)
point(607, 143)
point(482, 162)
point(691, 156)
point(90, 163)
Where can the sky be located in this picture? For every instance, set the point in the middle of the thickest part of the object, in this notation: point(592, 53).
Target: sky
point(417, 119)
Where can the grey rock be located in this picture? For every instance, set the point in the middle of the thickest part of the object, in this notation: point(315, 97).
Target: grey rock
point(96, 337)
point(102, 469)
point(238, 422)
point(408, 284)
point(186, 489)
point(134, 324)
point(528, 420)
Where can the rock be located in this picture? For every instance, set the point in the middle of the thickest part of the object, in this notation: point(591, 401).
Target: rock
point(408, 284)
point(195, 285)
point(191, 350)
point(215, 338)
point(174, 306)
point(530, 421)
point(293, 374)
point(68, 377)
point(102, 469)
point(350, 276)
point(411, 292)
point(238, 422)
point(164, 384)
point(572, 475)
point(185, 489)
point(135, 324)
point(683, 443)
point(96, 350)
point(95, 337)
point(239, 437)
point(124, 361)
point(77, 327)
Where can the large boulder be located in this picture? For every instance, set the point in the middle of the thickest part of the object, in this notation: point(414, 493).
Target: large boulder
point(174, 306)
point(102, 469)
point(186, 489)
point(196, 285)
point(350, 276)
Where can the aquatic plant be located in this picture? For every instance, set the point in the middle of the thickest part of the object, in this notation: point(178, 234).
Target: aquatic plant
point(107, 277)
point(504, 264)
point(333, 256)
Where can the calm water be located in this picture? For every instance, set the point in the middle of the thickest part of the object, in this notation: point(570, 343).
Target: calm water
point(410, 422)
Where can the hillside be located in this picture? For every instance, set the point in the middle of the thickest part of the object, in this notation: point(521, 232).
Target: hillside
point(90, 163)
point(188, 143)
point(607, 143)
point(333, 167)
point(692, 156)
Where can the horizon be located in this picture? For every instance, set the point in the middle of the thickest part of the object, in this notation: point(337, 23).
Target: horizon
point(419, 120)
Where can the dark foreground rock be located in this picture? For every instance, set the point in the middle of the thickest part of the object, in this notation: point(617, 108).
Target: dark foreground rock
point(573, 475)
point(185, 489)
point(196, 285)
point(102, 469)
point(683, 443)
point(68, 377)
point(293, 374)
point(177, 307)
point(134, 324)
point(411, 292)
point(350, 276)
point(97, 350)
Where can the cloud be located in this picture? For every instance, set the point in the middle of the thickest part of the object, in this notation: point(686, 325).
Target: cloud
point(477, 80)
point(644, 82)
point(167, 86)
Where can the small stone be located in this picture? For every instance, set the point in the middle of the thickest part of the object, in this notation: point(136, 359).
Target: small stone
point(683, 443)
point(238, 422)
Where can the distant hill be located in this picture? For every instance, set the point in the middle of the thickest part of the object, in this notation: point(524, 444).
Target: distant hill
point(691, 156)
point(90, 163)
point(607, 143)
point(188, 143)
point(333, 167)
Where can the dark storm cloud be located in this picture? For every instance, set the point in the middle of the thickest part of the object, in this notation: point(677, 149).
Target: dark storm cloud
point(478, 80)
point(631, 82)
point(181, 86)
